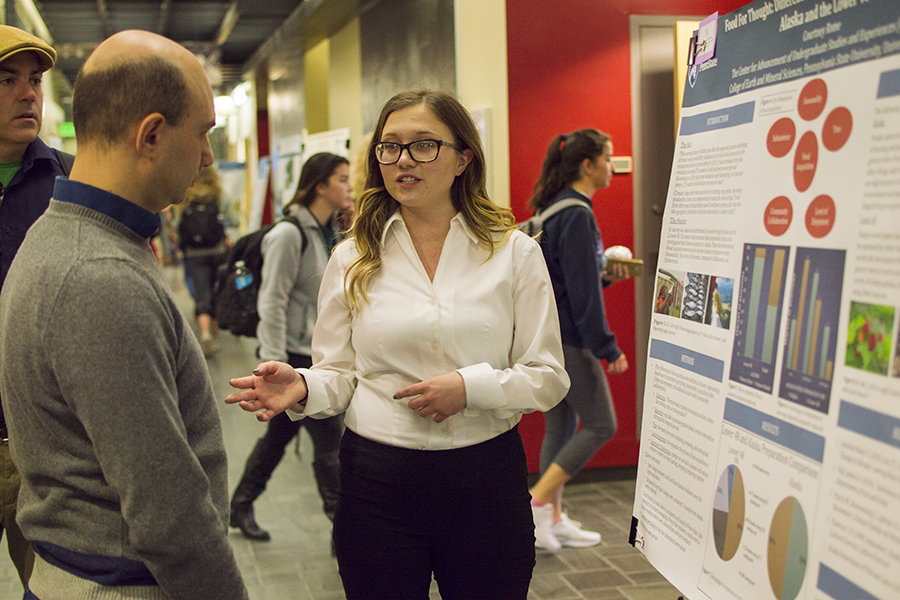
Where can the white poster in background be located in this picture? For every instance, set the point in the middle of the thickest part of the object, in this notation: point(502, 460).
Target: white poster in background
point(336, 141)
point(260, 186)
point(232, 176)
point(770, 457)
point(286, 163)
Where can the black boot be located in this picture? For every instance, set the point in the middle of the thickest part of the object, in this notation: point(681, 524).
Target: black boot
point(260, 464)
point(242, 518)
point(326, 438)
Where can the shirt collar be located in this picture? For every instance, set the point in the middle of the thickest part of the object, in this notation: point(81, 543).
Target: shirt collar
point(457, 218)
point(569, 191)
point(139, 220)
point(34, 151)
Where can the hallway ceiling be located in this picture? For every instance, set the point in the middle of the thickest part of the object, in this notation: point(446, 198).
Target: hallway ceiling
point(225, 33)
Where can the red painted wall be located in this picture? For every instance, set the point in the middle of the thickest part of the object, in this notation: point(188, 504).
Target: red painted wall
point(569, 68)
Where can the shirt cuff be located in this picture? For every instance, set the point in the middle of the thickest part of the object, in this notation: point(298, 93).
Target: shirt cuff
point(483, 391)
point(316, 397)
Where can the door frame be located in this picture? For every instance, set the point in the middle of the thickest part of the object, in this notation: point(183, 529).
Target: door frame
point(642, 301)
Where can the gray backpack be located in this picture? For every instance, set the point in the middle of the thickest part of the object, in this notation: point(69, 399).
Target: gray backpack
point(534, 226)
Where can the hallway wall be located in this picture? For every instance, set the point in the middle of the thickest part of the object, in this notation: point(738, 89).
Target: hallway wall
point(404, 44)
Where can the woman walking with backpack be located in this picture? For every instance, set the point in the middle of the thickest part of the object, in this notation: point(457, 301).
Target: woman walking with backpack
point(576, 166)
point(294, 260)
point(203, 242)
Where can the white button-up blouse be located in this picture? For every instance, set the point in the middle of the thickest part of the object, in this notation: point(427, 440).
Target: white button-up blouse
point(492, 320)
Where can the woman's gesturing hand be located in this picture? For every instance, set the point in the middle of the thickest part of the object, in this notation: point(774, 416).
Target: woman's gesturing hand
point(439, 397)
point(273, 388)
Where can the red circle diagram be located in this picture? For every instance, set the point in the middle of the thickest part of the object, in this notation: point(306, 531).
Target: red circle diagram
point(820, 216)
point(805, 160)
point(812, 99)
point(778, 215)
point(781, 137)
point(837, 128)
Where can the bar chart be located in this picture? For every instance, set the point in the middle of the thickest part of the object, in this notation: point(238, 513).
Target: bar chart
point(759, 309)
point(814, 312)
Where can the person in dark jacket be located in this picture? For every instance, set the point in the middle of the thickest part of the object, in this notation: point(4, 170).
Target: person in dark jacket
point(576, 166)
point(28, 169)
point(202, 257)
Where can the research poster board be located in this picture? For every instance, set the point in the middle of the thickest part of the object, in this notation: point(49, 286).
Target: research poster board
point(770, 454)
point(336, 141)
point(260, 187)
point(232, 175)
point(287, 161)
point(292, 152)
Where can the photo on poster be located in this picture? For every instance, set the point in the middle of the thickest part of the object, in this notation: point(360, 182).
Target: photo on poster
point(813, 315)
point(895, 371)
point(759, 307)
point(869, 336)
point(696, 293)
point(669, 293)
point(721, 292)
point(697, 297)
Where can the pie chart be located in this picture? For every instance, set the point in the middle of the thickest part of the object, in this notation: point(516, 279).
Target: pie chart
point(788, 549)
point(728, 512)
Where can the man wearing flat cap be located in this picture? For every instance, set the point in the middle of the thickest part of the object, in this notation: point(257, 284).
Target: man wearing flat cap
point(28, 169)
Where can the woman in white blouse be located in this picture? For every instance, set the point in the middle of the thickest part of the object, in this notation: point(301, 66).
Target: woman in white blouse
point(437, 330)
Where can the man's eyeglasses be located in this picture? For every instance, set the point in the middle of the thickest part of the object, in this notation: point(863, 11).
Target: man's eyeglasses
point(387, 153)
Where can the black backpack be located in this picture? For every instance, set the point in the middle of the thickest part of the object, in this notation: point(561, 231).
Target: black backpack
point(200, 226)
point(239, 280)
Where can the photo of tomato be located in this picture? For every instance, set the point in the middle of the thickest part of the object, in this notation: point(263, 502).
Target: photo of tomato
point(869, 336)
point(896, 369)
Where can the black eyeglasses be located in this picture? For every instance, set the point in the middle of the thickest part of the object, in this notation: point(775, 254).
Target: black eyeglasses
point(387, 153)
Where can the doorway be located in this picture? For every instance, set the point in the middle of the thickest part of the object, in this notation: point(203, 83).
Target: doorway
point(653, 128)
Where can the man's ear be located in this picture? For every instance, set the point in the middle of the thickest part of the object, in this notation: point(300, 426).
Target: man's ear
point(149, 131)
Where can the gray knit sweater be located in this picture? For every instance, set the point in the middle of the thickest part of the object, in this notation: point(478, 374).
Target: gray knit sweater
point(112, 418)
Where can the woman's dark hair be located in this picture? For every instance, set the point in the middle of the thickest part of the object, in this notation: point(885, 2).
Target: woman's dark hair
point(562, 166)
point(317, 169)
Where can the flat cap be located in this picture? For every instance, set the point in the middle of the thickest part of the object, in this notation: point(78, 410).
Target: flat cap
point(13, 40)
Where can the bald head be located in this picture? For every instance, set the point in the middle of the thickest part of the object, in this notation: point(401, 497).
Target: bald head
point(129, 76)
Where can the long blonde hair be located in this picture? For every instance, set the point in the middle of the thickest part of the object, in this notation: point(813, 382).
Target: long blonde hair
point(468, 192)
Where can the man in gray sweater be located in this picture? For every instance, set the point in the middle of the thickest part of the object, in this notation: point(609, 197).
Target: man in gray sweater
point(110, 408)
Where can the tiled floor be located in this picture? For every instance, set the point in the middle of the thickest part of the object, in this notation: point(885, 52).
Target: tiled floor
point(297, 563)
